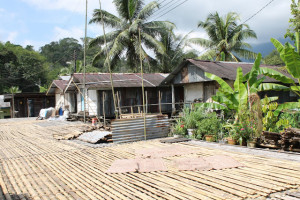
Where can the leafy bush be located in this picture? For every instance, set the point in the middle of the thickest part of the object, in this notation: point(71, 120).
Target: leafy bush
point(209, 125)
point(179, 128)
point(293, 118)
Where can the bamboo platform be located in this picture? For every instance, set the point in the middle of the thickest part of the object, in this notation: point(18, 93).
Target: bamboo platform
point(34, 165)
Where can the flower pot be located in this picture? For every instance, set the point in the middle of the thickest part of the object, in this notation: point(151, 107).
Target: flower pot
point(243, 142)
point(209, 138)
point(190, 132)
point(231, 141)
point(251, 144)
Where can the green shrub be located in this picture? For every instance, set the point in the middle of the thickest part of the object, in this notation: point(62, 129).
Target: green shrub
point(293, 118)
point(209, 125)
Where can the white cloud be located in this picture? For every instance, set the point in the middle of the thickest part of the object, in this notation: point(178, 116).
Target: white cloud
point(36, 45)
point(11, 36)
point(70, 5)
point(74, 32)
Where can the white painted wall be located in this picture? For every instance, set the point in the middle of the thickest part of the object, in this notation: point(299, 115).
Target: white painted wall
point(78, 102)
point(193, 91)
point(92, 101)
point(59, 99)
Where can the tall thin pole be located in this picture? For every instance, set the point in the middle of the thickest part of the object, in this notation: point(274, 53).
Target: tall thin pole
point(84, 60)
point(108, 63)
point(143, 89)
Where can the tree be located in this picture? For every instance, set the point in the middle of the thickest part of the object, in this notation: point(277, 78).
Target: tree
point(273, 59)
point(21, 67)
point(124, 39)
point(13, 90)
point(294, 29)
point(79, 69)
point(59, 53)
point(227, 36)
point(175, 53)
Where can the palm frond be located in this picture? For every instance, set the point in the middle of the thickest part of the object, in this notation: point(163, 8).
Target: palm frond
point(108, 19)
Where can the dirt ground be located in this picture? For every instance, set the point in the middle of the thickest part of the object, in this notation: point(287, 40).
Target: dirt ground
point(34, 165)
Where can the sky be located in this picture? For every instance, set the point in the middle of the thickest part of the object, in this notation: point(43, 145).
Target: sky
point(39, 22)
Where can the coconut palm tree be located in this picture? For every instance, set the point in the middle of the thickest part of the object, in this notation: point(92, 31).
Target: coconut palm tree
point(124, 39)
point(13, 90)
point(175, 51)
point(227, 36)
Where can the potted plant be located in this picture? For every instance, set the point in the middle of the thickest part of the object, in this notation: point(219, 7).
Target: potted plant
point(191, 117)
point(179, 129)
point(209, 127)
point(232, 133)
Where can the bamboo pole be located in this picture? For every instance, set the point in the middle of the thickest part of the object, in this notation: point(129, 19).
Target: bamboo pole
point(146, 93)
point(108, 63)
point(84, 60)
point(143, 89)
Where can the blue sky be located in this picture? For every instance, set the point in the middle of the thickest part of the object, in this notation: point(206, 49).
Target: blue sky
point(38, 22)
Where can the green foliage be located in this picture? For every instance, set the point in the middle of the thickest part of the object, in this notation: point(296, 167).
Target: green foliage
point(231, 131)
point(61, 52)
point(13, 90)
point(179, 128)
point(192, 116)
point(294, 21)
point(210, 124)
point(273, 58)
point(21, 67)
point(225, 36)
point(293, 118)
point(174, 46)
point(292, 61)
point(124, 39)
point(271, 121)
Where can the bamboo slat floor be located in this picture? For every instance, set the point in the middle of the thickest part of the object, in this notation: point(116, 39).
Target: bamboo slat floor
point(36, 166)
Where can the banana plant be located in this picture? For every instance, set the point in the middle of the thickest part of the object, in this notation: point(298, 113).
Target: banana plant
point(236, 98)
point(291, 58)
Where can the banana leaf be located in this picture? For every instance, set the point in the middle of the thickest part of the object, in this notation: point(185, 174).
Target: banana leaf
point(279, 47)
point(292, 61)
point(240, 88)
point(268, 99)
point(222, 83)
point(295, 88)
point(214, 106)
point(275, 74)
point(255, 87)
point(254, 71)
point(286, 106)
point(272, 86)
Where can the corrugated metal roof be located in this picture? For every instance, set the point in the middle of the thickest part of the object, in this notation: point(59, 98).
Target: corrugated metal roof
point(120, 79)
point(61, 84)
point(225, 70)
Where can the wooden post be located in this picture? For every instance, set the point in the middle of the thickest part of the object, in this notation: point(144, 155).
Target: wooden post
point(173, 99)
point(131, 111)
point(118, 99)
point(13, 105)
point(103, 107)
point(139, 109)
point(146, 95)
point(27, 108)
point(159, 99)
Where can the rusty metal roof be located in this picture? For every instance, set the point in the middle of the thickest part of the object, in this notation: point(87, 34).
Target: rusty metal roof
point(96, 80)
point(225, 70)
point(60, 84)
